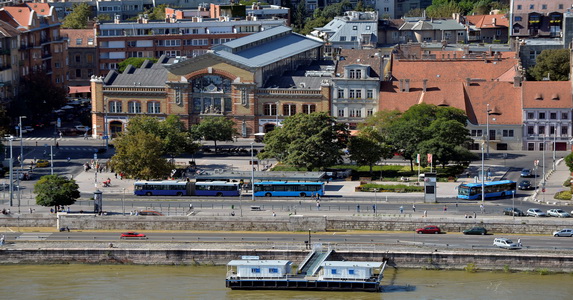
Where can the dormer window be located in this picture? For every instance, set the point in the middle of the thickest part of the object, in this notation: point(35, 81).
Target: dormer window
point(538, 97)
point(555, 97)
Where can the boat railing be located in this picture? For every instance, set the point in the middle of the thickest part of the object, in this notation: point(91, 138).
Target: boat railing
point(381, 275)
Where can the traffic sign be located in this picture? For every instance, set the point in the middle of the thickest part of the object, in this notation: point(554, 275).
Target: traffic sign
point(59, 123)
point(105, 137)
point(95, 156)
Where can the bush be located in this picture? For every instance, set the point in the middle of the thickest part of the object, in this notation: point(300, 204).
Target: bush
point(470, 268)
point(567, 182)
point(563, 195)
point(397, 188)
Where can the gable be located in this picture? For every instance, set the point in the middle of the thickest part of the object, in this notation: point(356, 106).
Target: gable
point(208, 64)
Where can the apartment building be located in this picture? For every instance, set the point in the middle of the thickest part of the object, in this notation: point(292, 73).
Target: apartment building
point(9, 75)
point(82, 56)
point(538, 18)
point(354, 30)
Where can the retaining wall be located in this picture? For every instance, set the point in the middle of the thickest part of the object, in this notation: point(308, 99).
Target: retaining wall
point(507, 260)
point(292, 223)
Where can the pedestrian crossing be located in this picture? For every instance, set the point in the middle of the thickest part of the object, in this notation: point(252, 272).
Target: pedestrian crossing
point(84, 149)
point(49, 138)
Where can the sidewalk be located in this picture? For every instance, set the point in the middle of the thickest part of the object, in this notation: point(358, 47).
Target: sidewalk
point(554, 184)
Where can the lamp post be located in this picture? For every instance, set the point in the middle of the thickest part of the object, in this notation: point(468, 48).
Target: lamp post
point(309, 240)
point(375, 202)
point(543, 162)
point(487, 129)
point(252, 173)
point(482, 176)
point(513, 204)
point(105, 134)
point(21, 159)
point(554, 143)
point(11, 138)
point(123, 202)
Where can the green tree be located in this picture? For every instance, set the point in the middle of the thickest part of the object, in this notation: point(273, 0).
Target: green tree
point(569, 162)
point(551, 63)
point(359, 6)
point(308, 141)
point(37, 95)
point(215, 129)
point(300, 16)
point(443, 9)
point(416, 12)
point(156, 13)
point(79, 17)
point(56, 190)
point(368, 148)
point(134, 61)
point(139, 155)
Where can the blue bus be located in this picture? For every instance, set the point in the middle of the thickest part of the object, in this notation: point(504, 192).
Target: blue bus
point(185, 188)
point(472, 191)
point(288, 189)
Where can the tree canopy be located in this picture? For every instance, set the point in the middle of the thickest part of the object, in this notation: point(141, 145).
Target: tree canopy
point(307, 141)
point(424, 129)
point(445, 8)
point(551, 63)
point(78, 18)
point(215, 129)
point(54, 190)
point(141, 149)
point(37, 96)
point(569, 161)
point(368, 148)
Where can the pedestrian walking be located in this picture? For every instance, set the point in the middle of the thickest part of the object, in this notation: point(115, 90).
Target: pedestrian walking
point(86, 135)
point(357, 208)
point(414, 207)
point(274, 215)
point(475, 215)
point(425, 213)
point(317, 205)
point(374, 208)
point(61, 134)
point(519, 242)
point(445, 208)
point(401, 209)
point(69, 159)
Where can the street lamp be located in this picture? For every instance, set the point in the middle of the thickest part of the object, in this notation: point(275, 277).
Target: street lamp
point(21, 159)
point(123, 202)
point(11, 138)
point(543, 162)
point(482, 177)
point(375, 202)
point(554, 143)
point(252, 174)
point(487, 128)
point(513, 203)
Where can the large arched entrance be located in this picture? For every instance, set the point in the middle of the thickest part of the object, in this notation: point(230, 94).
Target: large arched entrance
point(268, 127)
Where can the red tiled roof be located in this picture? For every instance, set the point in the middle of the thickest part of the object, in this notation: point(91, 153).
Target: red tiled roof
point(370, 57)
point(40, 8)
point(486, 21)
point(452, 69)
point(437, 93)
point(82, 34)
point(547, 94)
point(80, 89)
point(18, 14)
point(503, 99)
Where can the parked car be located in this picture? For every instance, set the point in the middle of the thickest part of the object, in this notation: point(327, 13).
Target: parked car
point(512, 211)
point(505, 243)
point(429, 229)
point(564, 232)
point(526, 173)
point(557, 212)
point(535, 212)
point(476, 231)
point(131, 234)
point(525, 185)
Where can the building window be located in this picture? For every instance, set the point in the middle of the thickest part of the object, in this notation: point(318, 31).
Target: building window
point(78, 73)
point(308, 108)
point(552, 129)
point(541, 146)
point(530, 146)
point(341, 112)
point(358, 73)
point(78, 41)
point(369, 112)
point(543, 6)
point(541, 129)
point(531, 6)
point(564, 130)
point(342, 38)
point(530, 130)
point(78, 58)
point(154, 107)
point(542, 116)
point(134, 107)
point(114, 106)
point(518, 7)
point(351, 94)
point(560, 6)
point(367, 27)
point(553, 116)
point(564, 116)
point(351, 74)
point(517, 19)
point(476, 132)
point(359, 94)
point(340, 93)
point(90, 58)
point(354, 27)
point(507, 133)
point(270, 109)
point(530, 116)
point(289, 109)
point(370, 94)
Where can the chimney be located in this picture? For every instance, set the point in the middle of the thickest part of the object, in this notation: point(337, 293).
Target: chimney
point(517, 81)
point(407, 85)
point(468, 81)
point(424, 85)
point(493, 21)
point(401, 85)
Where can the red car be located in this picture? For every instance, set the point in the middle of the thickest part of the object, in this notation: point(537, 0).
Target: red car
point(131, 234)
point(429, 229)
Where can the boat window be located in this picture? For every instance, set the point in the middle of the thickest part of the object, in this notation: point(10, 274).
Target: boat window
point(273, 270)
point(351, 272)
point(255, 270)
point(333, 271)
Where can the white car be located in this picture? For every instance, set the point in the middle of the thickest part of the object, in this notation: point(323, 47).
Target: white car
point(505, 243)
point(535, 212)
point(557, 212)
point(564, 232)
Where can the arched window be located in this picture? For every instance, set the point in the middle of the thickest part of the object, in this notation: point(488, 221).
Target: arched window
point(114, 106)
point(134, 107)
point(153, 107)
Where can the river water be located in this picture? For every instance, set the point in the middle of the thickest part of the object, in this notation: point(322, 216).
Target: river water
point(78, 281)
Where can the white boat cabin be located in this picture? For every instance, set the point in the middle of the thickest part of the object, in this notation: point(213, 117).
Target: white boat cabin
point(260, 268)
point(353, 270)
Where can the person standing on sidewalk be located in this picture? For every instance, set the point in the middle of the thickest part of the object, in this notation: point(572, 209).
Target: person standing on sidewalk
point(414, 207)
point(401, 209)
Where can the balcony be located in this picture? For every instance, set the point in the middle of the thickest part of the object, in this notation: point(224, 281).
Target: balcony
point(46, 55)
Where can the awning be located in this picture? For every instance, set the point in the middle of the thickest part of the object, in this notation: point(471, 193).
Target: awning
point(79, 89)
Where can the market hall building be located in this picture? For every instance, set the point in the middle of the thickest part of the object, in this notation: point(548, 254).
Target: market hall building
point(257, 81)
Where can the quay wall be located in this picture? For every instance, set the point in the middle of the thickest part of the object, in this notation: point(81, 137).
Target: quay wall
point(288, 224)
point(429, 259)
